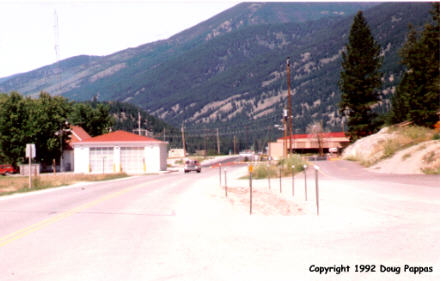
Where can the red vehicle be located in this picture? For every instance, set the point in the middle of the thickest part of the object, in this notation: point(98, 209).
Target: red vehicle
point(6, 169)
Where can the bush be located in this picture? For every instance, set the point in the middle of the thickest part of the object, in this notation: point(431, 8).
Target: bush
point(262, 171)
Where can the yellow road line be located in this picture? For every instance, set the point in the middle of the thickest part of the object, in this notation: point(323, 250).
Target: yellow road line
point(39, 225)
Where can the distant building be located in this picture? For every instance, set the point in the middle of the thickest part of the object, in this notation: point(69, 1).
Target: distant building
point(309, 143)
point(120, 151)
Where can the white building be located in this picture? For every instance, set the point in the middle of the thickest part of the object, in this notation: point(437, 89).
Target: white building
point(120, 151)
point(77, 134)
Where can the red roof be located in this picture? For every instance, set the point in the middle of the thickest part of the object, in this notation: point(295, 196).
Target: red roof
point(120, 136)
point(78, 134)
point(323, 135)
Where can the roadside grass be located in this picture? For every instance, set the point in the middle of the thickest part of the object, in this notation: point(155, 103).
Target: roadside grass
point(406, 137)
point(431, 171)
point(265, 170)
point(17, 184)
point(432, 163)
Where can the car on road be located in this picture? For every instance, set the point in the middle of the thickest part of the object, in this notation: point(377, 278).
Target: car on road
point(192, 165)
point(6, 169)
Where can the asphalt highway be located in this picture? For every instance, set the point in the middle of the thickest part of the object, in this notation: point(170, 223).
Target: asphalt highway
point(135, 229)
point(114, 230)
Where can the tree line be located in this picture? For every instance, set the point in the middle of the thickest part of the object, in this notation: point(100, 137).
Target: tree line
point(416, 98)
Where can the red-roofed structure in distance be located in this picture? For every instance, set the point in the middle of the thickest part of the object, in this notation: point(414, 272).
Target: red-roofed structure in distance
point(309, 143)
point(77, 134)
point(120, 151)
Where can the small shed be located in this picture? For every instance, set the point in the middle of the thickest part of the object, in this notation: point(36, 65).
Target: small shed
point(120, 151)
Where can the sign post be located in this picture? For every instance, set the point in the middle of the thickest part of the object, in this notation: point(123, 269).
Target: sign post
point(220, 173)
point(281, 187)
point(305, 180)
point(317, 189)
point(293, 180)
point(226, 184)
point(30, 153)
point(251, 168)
point(268, 174)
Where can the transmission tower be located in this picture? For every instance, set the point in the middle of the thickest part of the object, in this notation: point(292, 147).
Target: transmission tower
point(57, 52)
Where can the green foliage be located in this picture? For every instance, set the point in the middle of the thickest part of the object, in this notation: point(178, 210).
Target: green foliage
point(264, 170)
point(44, 121)
point(360, 79)
point(15, 130)
point(93, 117)
point(417, 98)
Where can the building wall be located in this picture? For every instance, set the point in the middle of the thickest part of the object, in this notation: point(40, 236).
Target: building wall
point(303, 145)
point(276, 150)
point(163, 156)
point(81, 159)
point(153, 159)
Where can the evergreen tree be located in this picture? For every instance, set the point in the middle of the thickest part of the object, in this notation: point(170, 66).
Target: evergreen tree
point(360, 80)
point(417, 97)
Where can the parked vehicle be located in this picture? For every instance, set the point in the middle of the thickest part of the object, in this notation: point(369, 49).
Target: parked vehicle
point(6, 169)
point(192, 165)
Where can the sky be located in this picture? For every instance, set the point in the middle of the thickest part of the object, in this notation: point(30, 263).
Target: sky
point(28, 33)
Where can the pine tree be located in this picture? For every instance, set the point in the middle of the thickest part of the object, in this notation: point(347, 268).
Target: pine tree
point(360, 80)
point(417, 97)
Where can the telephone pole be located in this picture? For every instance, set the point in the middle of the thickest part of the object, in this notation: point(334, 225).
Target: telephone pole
point(218, 143)
point(183, 141)
point(285, 133)
point(139, 123)
point(235, 145)
point(290, 105)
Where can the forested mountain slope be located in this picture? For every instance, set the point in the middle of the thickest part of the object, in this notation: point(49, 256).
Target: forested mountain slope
point(231, 68)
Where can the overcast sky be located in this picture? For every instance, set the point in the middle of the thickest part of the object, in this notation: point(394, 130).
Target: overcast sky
point(91, 27)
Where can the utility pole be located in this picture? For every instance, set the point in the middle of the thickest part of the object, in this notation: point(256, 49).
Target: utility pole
point(139, 123)
point(235, 145)
point(57, 50)
point(247, 136)
point(290, 105)
point(218, 143)
point(164, 134)
point(285, 133)
point(183, 141)
point(206, 137)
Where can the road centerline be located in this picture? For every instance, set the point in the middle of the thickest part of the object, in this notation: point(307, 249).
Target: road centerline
point(5, 240)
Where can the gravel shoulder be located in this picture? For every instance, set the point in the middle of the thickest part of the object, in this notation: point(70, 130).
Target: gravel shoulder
point(284, 236)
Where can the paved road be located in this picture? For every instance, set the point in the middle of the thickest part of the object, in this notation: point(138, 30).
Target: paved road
point(106, 231)
point(133, 229)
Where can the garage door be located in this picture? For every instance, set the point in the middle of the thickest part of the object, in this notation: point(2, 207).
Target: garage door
point(132, 159)
point(101, 159)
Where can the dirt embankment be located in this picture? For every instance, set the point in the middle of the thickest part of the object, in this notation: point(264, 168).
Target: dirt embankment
point(410, 150)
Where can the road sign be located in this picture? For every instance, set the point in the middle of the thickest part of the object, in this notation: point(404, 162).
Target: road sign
point(251, 168)
point(30, 150)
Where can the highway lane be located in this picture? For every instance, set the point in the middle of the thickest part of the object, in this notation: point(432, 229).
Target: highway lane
point(354, 175)
point(119, 230)
point(136, 229)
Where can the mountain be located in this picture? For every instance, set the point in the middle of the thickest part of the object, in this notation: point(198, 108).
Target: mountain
point(230, 70)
